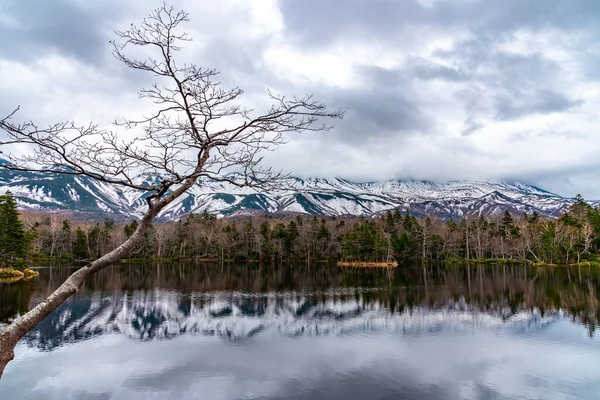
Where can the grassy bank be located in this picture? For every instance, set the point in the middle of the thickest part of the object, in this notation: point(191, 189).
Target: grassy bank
point(367, 264)
point(10, 275)
point(586, 264)
point(450, 260)
point(512, 261)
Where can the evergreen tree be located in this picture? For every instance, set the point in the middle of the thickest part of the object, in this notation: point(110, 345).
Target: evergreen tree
point(94, 241)
point(80, 245)
point(13, 240)
point(130, 228)
point(390, 223)
point(366, 242)
point(507, 224)
point(535, 217)
point(292, 234)
point(397, 216)
point(208, 217)
point(407, 222)
point(580, 209)
point(279, 235)
point(323, 233)
point(64, 238)
point(265, 240)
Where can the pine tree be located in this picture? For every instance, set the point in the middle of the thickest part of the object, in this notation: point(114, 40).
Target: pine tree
point(390, 225)
point(13, 241)
point(506, 225)
point(292, 234)
point(265, 240)
point(130, 228)
point(65, 238)
point(397, 216)
point(94, 238)
point(407, 222)
point(580, 209)
point(80, 246)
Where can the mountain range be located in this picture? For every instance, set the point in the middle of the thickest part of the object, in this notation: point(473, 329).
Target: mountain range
point(318, 196)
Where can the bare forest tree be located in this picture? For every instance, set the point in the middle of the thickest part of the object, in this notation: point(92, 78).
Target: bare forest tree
point(198, 131)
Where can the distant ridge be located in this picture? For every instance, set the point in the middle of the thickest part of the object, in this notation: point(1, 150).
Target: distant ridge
point(319, 196)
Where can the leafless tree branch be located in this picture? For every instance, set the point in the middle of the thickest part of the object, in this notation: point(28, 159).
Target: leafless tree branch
point(178, 143)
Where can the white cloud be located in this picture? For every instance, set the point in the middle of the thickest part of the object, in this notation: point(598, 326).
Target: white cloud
point(461, 92)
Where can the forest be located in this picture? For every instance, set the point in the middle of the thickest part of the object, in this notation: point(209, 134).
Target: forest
point(572, 238)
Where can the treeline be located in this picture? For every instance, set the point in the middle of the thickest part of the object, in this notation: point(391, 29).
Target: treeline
point(572, 238)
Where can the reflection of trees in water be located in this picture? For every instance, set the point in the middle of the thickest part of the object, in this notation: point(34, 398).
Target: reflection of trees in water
point(498, 290)
point(211, 277)
point(15, 298)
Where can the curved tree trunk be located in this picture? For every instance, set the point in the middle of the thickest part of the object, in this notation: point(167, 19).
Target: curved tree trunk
point(11, 334)
point(198, 101)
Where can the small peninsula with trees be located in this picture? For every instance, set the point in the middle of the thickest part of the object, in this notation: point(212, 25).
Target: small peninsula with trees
point(15, 243)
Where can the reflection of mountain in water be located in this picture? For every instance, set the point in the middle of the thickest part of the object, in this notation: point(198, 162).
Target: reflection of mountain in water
point(238, 301)
point(161, 314)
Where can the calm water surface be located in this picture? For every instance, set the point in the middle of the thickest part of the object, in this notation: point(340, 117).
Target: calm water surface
point(319, 332)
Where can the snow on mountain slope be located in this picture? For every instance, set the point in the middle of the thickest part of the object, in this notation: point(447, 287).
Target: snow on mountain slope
point(454, 199)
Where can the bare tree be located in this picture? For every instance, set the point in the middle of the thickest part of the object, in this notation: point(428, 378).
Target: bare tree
point(197, 132)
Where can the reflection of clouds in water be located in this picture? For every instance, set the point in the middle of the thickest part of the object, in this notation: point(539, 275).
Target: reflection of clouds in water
point(163, 314)
point(271, 366)
point(325, 337)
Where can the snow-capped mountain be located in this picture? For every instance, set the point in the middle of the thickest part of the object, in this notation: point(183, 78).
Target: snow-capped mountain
point(454, 199)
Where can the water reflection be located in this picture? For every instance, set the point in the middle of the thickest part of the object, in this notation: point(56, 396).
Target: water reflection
point(161, 301)
point(249, 331)
point(16, 297)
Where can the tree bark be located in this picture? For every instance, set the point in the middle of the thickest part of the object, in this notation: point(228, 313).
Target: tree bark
point(7, 346)
point(198, 101)
point(11, 334)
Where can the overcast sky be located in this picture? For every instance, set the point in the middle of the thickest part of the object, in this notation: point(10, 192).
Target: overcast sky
point(433, 89)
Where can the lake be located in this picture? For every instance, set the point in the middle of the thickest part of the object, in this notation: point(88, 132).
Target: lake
point(310, 332)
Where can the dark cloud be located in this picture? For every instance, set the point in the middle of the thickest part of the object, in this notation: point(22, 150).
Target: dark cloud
point(371, 115)
point(424, 69)
point(471, 126)
point(498, 85)
point(507, 86)
point(539, 101)
point(482, 59)
point(318, 22)
point(240, 66)
point(579, 177)
point(70, 28)
point(385, 106)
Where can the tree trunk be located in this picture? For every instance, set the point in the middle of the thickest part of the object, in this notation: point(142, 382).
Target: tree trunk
point(11, 334)
point(467, 242)
point(7, 346)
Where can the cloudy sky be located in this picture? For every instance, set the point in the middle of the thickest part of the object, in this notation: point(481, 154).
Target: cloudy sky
point(433, 89)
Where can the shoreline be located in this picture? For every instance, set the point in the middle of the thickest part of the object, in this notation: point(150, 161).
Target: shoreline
point(367, 264)
point(394, 264)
